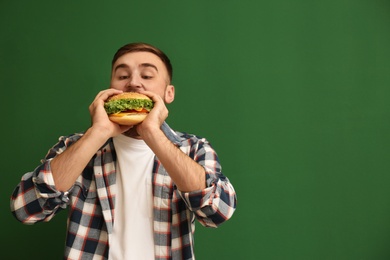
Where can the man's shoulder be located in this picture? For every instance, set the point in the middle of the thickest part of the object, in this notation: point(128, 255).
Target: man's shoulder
point(187, 137)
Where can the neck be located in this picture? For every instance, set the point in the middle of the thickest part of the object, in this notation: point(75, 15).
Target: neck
point(132, 132)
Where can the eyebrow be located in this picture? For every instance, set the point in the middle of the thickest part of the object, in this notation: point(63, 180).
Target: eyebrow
point(145, 65)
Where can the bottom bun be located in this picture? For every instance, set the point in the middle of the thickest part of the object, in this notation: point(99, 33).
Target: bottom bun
point(128, 118)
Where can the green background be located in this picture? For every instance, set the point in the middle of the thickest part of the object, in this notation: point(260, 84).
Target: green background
point(293, 95)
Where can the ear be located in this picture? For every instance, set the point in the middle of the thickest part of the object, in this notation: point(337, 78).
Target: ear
point(169, 94)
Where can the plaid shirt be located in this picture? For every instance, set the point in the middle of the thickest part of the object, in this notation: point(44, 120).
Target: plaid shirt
point(91, 203)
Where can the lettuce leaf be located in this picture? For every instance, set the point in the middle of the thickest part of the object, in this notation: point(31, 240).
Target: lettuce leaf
point(119, 105)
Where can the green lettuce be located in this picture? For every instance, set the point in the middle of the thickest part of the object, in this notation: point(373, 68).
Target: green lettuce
point(119, 105)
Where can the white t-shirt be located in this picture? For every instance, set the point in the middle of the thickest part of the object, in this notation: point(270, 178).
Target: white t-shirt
point(132, 236)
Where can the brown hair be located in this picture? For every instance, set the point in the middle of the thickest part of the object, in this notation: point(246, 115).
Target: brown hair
point(140, 46)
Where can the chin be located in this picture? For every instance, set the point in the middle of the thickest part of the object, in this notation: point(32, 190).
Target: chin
point(132, 132)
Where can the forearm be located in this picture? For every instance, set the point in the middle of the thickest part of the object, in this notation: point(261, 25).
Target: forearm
point(67, 166)
point(187, 174)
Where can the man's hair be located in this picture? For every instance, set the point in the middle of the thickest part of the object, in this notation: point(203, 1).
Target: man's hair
point(140, 46)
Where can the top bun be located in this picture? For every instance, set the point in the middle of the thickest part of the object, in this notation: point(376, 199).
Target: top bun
point(129, 95)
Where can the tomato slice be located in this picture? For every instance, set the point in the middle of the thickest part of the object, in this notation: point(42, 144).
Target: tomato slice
point(142, 110)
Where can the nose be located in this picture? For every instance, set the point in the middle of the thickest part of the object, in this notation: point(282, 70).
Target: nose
point(134, 83)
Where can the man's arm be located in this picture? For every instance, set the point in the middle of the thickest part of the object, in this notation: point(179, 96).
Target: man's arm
point(41, 193)
point(67, 166)
point(187, 174)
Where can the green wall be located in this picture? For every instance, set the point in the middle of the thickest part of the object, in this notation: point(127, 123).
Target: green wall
point(294, 96)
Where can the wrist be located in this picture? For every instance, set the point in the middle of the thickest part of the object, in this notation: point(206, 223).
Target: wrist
point(151, 133)
point(99, 134)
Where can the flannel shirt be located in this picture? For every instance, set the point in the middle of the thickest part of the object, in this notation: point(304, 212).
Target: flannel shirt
point(91, 201)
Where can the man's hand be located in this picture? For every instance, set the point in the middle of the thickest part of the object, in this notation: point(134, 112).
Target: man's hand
point(67, 166)
point(99, 117)
point(155, 118)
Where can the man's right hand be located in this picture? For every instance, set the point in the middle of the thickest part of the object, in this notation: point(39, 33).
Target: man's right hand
point(67, 166)
point(99, 117)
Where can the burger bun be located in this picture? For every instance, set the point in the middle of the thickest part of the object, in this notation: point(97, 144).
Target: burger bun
point(129, 95)
point(128, 119)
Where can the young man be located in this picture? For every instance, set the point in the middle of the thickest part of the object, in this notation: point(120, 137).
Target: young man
point(132, 192)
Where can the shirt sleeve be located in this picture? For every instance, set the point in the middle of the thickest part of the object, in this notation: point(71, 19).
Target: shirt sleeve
point(36, 198)
point(217, 202)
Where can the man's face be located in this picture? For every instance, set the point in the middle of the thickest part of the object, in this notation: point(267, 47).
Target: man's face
point(136, 71)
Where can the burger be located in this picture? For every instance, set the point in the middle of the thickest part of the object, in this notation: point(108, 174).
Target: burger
point(128, 108)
